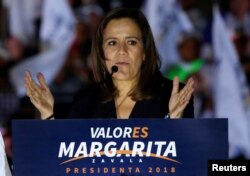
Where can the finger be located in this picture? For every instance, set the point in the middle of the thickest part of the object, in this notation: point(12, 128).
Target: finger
point(32, 96)
point(42, 81)
point(190, 88)
point(184, 105)
point(30, 87)
point(28, 76)
point(190, 83)
point(175, 85)
point(186, 96)
point(186, 93)
point(26, 83)
point(187, 87)
point(27, 90)
point(30, 82)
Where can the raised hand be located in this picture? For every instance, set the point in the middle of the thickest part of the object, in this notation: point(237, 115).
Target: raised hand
point(39, 94)
point(179, 99)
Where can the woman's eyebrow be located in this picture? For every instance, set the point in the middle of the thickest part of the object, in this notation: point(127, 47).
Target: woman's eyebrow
point(128, 37)
point(133, 37)
point(109, 38)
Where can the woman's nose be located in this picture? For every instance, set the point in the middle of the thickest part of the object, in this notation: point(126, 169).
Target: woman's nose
point(122, 48)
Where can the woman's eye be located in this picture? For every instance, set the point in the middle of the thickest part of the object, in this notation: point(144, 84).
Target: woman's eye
point(111, 43)
point(132, 42)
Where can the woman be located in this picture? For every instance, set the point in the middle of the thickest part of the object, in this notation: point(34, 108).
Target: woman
point(134, 88)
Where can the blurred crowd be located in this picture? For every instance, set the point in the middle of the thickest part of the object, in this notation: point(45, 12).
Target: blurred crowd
point(194, 54)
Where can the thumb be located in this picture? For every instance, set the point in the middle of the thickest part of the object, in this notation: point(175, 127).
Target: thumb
point(175, 85)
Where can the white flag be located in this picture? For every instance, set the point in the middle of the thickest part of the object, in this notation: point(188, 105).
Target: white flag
point(230, 88)
point(58, 29)
point(167, 19)
point(49, 63)
point(4, 166)
point(58, 23)
point(22, 16)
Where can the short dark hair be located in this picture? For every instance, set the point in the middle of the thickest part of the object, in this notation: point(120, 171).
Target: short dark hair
point(150, 67)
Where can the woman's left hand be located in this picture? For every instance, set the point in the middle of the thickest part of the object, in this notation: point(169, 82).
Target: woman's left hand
point(179, 99)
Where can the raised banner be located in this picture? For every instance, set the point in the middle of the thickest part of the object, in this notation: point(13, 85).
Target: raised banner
point(137, 147)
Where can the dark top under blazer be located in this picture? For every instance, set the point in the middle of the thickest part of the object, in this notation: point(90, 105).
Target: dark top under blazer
point(88, 105)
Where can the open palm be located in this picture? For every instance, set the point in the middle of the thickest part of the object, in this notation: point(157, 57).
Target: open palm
point(179, 99)
point(39, 94)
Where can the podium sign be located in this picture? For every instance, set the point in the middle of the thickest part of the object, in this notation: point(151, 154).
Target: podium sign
point(118, 147)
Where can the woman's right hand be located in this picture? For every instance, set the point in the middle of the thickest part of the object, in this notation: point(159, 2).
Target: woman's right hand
point(39, 94)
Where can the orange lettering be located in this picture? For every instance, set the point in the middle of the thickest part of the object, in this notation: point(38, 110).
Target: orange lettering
point(76, 171)
point(67, 170)
point(144, 131)
point(92, 170)
point(84, 170)
point(105, 170)
point(136, 132)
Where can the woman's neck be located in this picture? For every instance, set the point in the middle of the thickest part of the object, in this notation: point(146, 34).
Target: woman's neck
point(124, 87)
point(123, 102)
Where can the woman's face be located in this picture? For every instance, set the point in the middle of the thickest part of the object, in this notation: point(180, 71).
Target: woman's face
point(123, 47)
